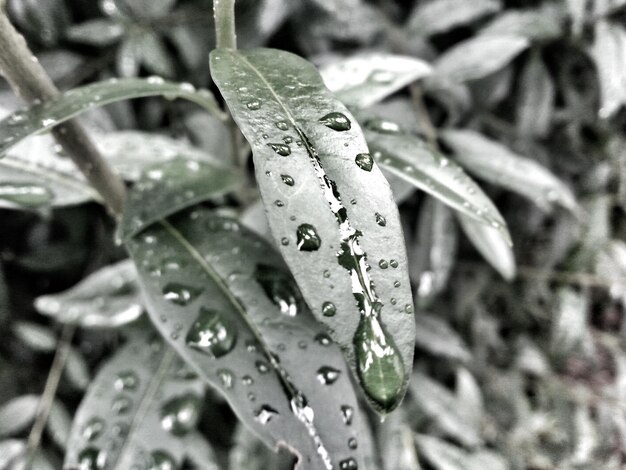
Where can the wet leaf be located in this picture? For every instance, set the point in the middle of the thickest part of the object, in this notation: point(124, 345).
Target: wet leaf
point(500, 166)
point(440, 16)
point(44, 116)
point(108, 298)
point(166, 188)
point(364, 79)
point(298, 130)
point(135, 410)
point(226, 302)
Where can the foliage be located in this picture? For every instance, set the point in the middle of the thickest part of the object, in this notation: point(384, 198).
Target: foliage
point(376, 235)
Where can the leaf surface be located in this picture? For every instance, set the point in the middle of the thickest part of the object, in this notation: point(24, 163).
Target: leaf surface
point(330, 211)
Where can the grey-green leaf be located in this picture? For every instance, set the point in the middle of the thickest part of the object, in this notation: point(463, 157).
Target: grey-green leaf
point(535, 107)
point(536, 24)
point(136, 410)
point(439, 16)
point(44, 116)
point(226, 302)
point(17, 414)
point(364, 79)
point(166, 188)
point(497, 164)
point(336, 219)
point(609, 54)
point(107, 298)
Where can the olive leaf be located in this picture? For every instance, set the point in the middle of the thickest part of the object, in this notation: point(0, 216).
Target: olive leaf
point(366, 78)
point(330, 211)
point(609, 54)
point(166, 188)
point(536, 24)
point(535, 106)
point(439, 16)
point(137, 410)
point(107, 298)
point(226, 302)
point(45, 115)
point(497, 164)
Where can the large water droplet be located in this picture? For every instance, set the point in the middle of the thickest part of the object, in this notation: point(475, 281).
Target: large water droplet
point(264, 414)
point(327, 375)
point(280, 288)
point(282, 125)
point(364, 161)
point(281, 149)
point(126, 381)
point(379, 364)
point(380, 220)
point(288, 180)
point(25, 194)
point(328, 309)
point(212, 334)
point(161, 460)
point(91, 459)
point(336, 121)
point(180, 414)
point(180, 294)
point(308, 239)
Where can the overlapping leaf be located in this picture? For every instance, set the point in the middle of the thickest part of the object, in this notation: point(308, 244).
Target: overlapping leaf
point(137, 410)
point(330, 210)
point(226, 302)
point(439, 16)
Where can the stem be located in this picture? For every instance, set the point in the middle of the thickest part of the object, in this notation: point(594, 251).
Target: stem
point(30, 81)
point(224, 13)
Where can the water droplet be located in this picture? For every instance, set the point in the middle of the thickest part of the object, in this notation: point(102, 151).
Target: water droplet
point(279, 203)
point(281, 149)
point(121, 405)
point(383, 264)
point(408, 308)
point(155, 80)
point(323, 339)
point(251, 397)
point(393, 263)
point(25, 194)
point(262, 367)
point(91, 459)
point(364, 161)
point(264, 414)
point(247, 380)
point(161, 460)
point(348, 464)
point(288, 139)
point(180, 414)
point(347, 413)
point(180, 294)
point(282, 125)
point(280, 288)
point(253, 105)
point(326, 273)
point(382, 126)
point(396, 284)
point(308, 239)
point(336, 121)
point(93, 429)
point(328, 309)
point(380, 220)
point(212, 334)
point(126, 380)
point(352, 443)
point(226, 377)
point(327, 375)
point(284, 241)
point(288, 180)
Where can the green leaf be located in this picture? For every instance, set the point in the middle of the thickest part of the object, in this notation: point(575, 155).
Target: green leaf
point(98, 32)
point(535, 106)
point(415, 161)
point(536, 24)
point(609, 54)
point(478, 57)
point(18, 414)
point(435, 336)
point(500, 166)
point(108, 298)
point(137, 410)
point(46, 115)
point(226, 302)
point(166, 188)
point(364, 79)
point(439, 16)
point(330, 210)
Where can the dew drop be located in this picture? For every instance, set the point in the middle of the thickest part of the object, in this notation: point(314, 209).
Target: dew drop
point(323, 339)
point(121, 405)
point(262, 367)
point(352, 443)
point(279, 203)
point(396, 284)
point(93, 429)
point(211, 334)
point(380, 220)
point(280, 288)
point(126, 380)
point(348, 464)
point(226, 378)
point(307, 237)
point(284, 241)
point(408, 308)
point(327, 375)
point(393, 263)
point(91, 459)
point(253, 105)
point(288, 180)
point(180, 414)
point(161, 460)
point(180, 294)
point(383, 264)
point(328, 309)
point(281, 149)
point(347, 413)
point(282, 125)
point(336, 121)
point(265, 414)
point(364, 161)
point(382, 126)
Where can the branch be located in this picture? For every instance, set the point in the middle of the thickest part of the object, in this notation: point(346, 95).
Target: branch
point(30, 81)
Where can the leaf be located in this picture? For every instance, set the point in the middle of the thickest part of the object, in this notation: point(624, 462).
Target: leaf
point(478, 57)
point(44, 116)
point(17, 414)
point(536, 24)
point(10, 450)
point(535, 107)
point(570, 333)
point(366, 78)
point(445, 456)
point(107, 298)
point(610, 265)
point(490, 243)
point(98, 32)
point(135, 412)
point(36, 337)
point(397, 443)
point(200, 453)
point(497, 164)
point(609, 54)
point(314, 166)
point(412, 159)
point(440, 16)
point(434, 335)
point(59, 424)
point(223, 298)
point(166, 188)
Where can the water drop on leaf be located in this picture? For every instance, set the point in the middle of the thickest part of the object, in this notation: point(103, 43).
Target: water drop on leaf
point(328, 309)
point(180, 414)
point(161, 460)
point(180, 294)
point(348, 464)
point(327, 375)
point(336, 121)
point(211, 334)
point(91, 459)
point(279, 287)
point(288, 180)
point(264, 414)
point(308, 239)
point(364, 161)
point(126, 380)
point(347, 412)
point(380, 220)
point(281, 149)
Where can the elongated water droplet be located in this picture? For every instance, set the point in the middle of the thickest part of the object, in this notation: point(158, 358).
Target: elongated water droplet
point(327, 375)
point(393, 263)
point(364, 161)
point(126, 381)
point(25, 194)
point(212, 334)
point(161, 460)
point(264, 414)
point(307, 237)
point(253, 105)
point(347, 412)
point(281, 149)
point(180, 294)
point(382, 126)
point(280, 288)
point(288, 180)
point(379, 364)
point(282, 125)
point(180, 414)
point(336, 121)
point(92, 459)
point(328, 309)
point(380, 220)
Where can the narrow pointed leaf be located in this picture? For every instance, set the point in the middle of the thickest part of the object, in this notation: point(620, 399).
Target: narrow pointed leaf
point(535, 106)
point(364, 79)
point(136, 411)
point(439, 16)
point(17, 414)
point(330, 210)
point(609, 54)
point(500, 166)
point(166, 188)
point(108, 298)
point(46, 115)
point(226, 302)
